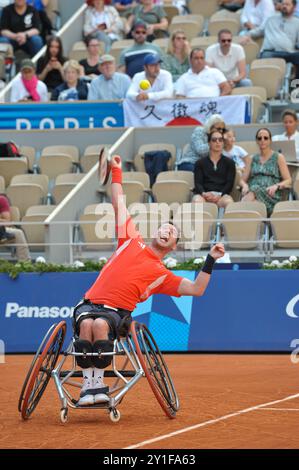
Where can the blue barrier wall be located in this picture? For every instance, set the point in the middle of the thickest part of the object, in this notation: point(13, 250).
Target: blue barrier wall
point(245, 310)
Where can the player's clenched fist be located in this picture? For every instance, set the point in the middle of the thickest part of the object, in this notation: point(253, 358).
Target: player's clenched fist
point(217, 251)
point(116, 161)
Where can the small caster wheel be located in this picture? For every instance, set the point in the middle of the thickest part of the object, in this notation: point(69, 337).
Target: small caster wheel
point(114, 415)
point(63, 415)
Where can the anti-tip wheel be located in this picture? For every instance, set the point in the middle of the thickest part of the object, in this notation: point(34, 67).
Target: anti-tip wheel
point(114, 416)
point(64, 415)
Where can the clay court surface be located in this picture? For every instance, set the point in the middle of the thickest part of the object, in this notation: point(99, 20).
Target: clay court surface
point(213, 389)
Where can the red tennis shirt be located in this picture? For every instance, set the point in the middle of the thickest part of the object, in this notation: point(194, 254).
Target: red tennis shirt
point(132, 274)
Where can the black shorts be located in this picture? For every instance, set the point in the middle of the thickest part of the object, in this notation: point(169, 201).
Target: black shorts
point(86, 309)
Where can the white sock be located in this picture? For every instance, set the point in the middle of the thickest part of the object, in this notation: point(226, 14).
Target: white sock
point(98, 374)
point(88, 374)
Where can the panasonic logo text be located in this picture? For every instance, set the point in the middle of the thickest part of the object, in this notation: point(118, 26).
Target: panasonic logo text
point(13, 309)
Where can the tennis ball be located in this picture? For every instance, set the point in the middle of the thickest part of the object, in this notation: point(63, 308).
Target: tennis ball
point(144, 85)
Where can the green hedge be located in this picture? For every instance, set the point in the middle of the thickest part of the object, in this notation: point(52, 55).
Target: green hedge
point(40, 266)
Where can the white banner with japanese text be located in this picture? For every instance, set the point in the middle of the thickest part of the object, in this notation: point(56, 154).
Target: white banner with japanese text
point(188, 112)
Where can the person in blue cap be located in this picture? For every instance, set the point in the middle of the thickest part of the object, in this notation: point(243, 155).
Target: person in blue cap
point(161, 84)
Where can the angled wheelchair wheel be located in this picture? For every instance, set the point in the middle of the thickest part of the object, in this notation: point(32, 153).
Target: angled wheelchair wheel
point(155, 369)
point(41, 368)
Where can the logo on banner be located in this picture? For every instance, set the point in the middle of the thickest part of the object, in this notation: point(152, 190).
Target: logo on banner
point(14, 310)
point(290, 309)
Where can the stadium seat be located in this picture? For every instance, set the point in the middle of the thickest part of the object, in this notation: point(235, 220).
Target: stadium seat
point(256, 206)
point(99, 227)
point(71, 150)
point(203, 41)
point(30, 154)
point(170, 11)
point(64, 184)
point(134, 191)
point(186, 176)
point(258, 99)
point(261, 69)
point(2, 184)
point(192, 25)
point(79, 50)
point(25, 195)
point(197, 228)
point(162, 43)
point(54, 165)
point(10, 167)
point(245, 231)
point(91, 156)
point(249, 145)
point(171, 191)
point(285, 232)
point(251, 49)
point(215, 25)
point(138, 162)
point(203, 7)
point(35, 233)
point(15, 214)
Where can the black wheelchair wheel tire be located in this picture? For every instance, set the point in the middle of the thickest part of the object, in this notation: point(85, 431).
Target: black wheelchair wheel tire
point(41, 368)
point(155, 369)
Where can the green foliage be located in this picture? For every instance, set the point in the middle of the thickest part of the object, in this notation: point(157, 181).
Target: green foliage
point(14, 269)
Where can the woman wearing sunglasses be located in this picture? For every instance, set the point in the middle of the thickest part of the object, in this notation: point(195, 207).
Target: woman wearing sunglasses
point(266, 174)
point(214, 175)
point(176, 61)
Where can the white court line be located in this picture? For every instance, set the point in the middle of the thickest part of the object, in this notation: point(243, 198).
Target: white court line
point(211, 421)
point(281, 409)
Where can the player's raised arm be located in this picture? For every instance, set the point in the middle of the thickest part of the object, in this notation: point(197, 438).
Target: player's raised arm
point(117, 195)
point(198, 287)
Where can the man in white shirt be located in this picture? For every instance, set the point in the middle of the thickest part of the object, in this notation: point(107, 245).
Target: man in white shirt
point(161, 85)
point(229, 58)
point(290, 122)
point(254, 16)
point(201, 81)
point(26, 86)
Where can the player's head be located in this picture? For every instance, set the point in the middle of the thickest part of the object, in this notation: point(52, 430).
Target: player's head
point(167, 237)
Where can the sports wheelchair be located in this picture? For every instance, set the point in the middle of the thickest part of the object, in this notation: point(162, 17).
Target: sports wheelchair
point(134, 356)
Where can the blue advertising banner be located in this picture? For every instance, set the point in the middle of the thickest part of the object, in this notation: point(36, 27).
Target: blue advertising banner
point(69, 115)
point(244, 310)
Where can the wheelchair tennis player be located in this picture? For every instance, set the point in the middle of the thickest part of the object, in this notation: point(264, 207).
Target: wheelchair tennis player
point(133, 273)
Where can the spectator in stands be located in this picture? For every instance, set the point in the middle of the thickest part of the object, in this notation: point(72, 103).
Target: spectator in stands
point(50, 66)
point(73, 88)
point(180, 4)
point(124, 7)
point(231, 5)
point(254, 17)
point(267, 173)
point(214, 175)
point(199, 147)
point(290, 122)
point(229, 58)
point(278, 7)
point(92, 62)
point(110, 85)
point(161, 85)
point(46, 24)
point(201, 81)
point(233, 151)
point(13, 235)
point(20, 26)
point(153, 15)
point(27, 87)
point(282, 35)
point(102, 22)
point(4, 3)
point(176, 61)
point(131, 58)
